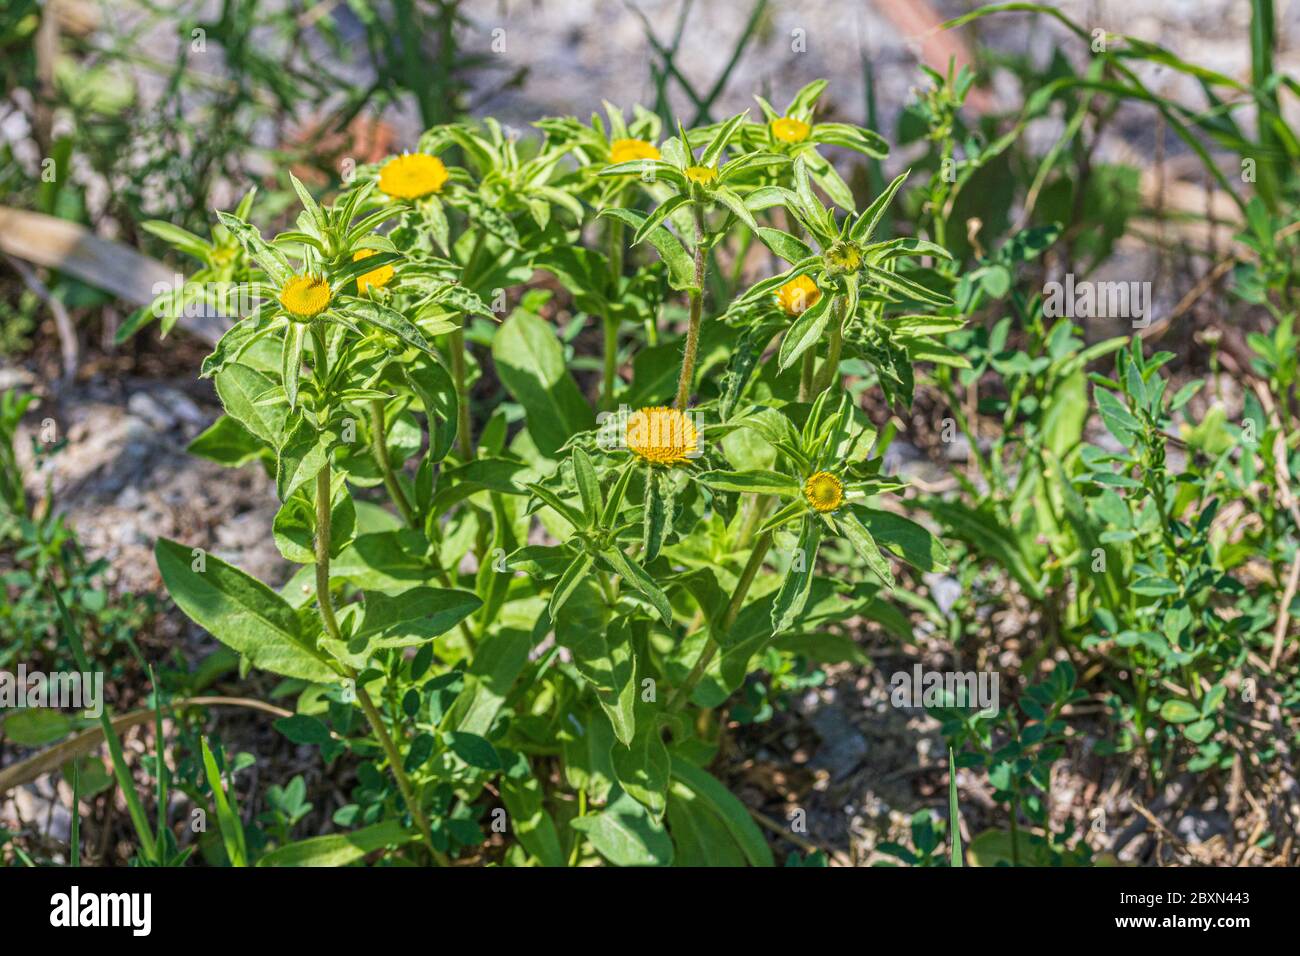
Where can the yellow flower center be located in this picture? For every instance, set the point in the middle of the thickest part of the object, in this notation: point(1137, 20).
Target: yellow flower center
point(305, 296)
point(789, 130)
point(823, 491)
point(412, 176)
point(704, 175)
point(661, 435)
point(375, 278)
point(625, 150)
point(798, 295)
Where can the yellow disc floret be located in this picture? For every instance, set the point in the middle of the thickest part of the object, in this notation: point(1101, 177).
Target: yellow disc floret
point(625, 150)
point(375, 278)
point(789, 130)
point(305, 296)
point(412, 176)
point(662, 436)
point(798, 295)
point(823, 491)
point(704, 175)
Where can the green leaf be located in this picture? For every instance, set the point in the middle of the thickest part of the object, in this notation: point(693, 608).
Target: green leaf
point(865, 546)
point(603, 655)
point(806, 331)
point(660, 503)
point(291, 360)
point(954, 817)
point(1118, 420)
point(414, 616)
point(756, 482)
point(588, 485)
point(227, 443)
point(385, 318)
point(642, 767)
point(340, 849)
point(1177, 711)
point(635, 576)
point(792, 596)
point(240, 611)
point(232, 829)
point(239, 388)
point(497, 663)
point(36, 726)
point(625, 834)
point(784, 245)
point(474, 750)
point(303, 454)
point(525, 803)
point(733, 814)
point(681, 268)
point(531, 363)
point(904, 538)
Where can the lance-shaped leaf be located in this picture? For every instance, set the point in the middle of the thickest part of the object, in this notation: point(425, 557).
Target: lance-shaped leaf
point(784, 245)
point(385, 318)
point(272, 260)
point(905, 287)
point(865, 227)
point(240, 611)
point(569, 582)
point(588, 485)
point(637, 578)
point(721, 139)
point(681, 269)
point(291, 360)
point(806, 331)
point(657, 523)
point(414, 616)
point(304, 452)
point(865, 546)
point(793, 595)
point(756, 482)
point(660, 213)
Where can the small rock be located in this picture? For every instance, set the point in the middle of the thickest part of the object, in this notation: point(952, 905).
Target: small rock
point(145, 406)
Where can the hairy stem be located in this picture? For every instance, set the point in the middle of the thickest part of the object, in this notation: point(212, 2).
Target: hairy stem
point(611, 364)
point(379, 447)
point(826, 375)
point(756, 556)
point(697, 307)
point(403, 782)
point(323, 554)
point(464, 440)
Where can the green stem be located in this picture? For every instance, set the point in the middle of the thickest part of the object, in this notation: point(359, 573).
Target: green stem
point(464, 440)
point(611, 363)
point(403, 782)
point(806, 368)
point(323, 600)
point(697, 308)
point(379, 446)
point(826, 376)
point(327, 617)
point(756, 556)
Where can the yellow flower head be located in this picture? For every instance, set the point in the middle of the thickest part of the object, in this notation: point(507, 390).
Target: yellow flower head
point(661, 436)
point(623, 150)
point(789, 130)
point(843, 256)
point(305, 296)
point(412, 176)
point(704, 175)
point(823, 491)
point(798, 295)
point(375, 278)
